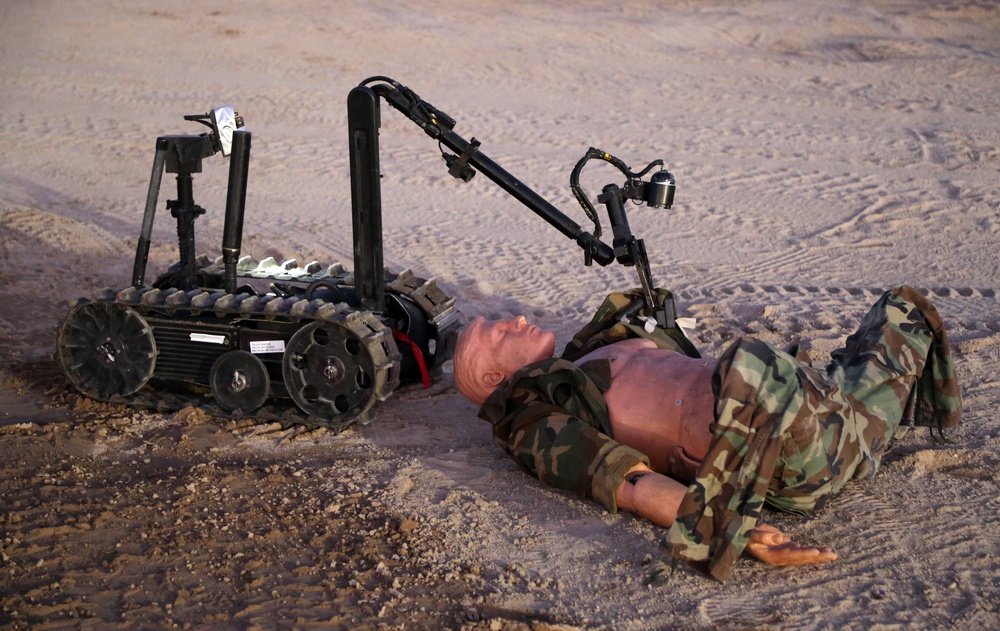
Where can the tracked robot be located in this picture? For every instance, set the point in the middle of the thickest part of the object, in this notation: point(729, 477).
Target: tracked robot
point(307, 343)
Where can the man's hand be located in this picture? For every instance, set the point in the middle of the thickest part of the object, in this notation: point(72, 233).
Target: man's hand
point(774, 547)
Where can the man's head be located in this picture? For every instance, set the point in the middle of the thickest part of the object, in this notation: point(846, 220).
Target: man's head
point(488, 352)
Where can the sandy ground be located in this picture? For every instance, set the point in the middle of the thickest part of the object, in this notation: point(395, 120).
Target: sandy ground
point(823, 152)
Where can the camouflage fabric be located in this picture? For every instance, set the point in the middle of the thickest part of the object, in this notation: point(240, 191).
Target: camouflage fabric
point(552, 419)
point(623, 315)
point(793, 435)
point(784, 431)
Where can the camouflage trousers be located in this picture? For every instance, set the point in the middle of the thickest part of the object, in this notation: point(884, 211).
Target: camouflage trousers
point(793, 435)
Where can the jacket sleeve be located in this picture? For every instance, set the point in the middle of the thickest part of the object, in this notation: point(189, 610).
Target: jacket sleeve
point(552, 419)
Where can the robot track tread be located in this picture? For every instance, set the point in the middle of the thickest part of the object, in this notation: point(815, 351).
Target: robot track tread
point(365, 326)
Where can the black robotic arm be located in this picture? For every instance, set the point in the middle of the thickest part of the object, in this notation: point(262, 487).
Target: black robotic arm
point(363, 123)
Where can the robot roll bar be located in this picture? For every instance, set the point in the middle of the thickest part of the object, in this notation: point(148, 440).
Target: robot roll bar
point(149, 214)
point(236, 201)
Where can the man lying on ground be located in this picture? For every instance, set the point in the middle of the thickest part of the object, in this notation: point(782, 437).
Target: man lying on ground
point(699, 445)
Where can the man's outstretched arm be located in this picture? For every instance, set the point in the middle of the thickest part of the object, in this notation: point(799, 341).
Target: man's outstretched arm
point(657, 498)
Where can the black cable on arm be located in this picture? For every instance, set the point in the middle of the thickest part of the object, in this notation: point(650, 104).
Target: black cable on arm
point(574, 184)
point(597, 154)
point(649, 167)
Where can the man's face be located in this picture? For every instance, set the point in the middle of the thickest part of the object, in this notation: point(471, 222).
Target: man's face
point(514, 343)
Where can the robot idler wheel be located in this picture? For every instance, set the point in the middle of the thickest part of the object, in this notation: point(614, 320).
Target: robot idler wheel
point(240, 382)
point(329, 372)
point(106, 350)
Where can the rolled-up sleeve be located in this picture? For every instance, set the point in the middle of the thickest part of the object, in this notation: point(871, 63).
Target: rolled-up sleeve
point(611, 471)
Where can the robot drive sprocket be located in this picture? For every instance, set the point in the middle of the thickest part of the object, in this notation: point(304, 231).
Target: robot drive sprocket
point(107, 350)
point(336, 370)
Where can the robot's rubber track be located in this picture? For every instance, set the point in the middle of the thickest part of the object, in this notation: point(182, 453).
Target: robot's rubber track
point(365, 326)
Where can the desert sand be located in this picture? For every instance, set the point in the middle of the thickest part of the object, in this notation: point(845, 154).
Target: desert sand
point(824, 152)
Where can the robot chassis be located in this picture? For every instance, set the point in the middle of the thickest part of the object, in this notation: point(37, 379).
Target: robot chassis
point(310, 344)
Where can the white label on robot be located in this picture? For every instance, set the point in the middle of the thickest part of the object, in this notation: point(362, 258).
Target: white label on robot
point(267, 346)
point(209, 339)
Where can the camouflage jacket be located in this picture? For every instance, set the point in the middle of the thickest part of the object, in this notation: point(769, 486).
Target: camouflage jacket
point(785, 432)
